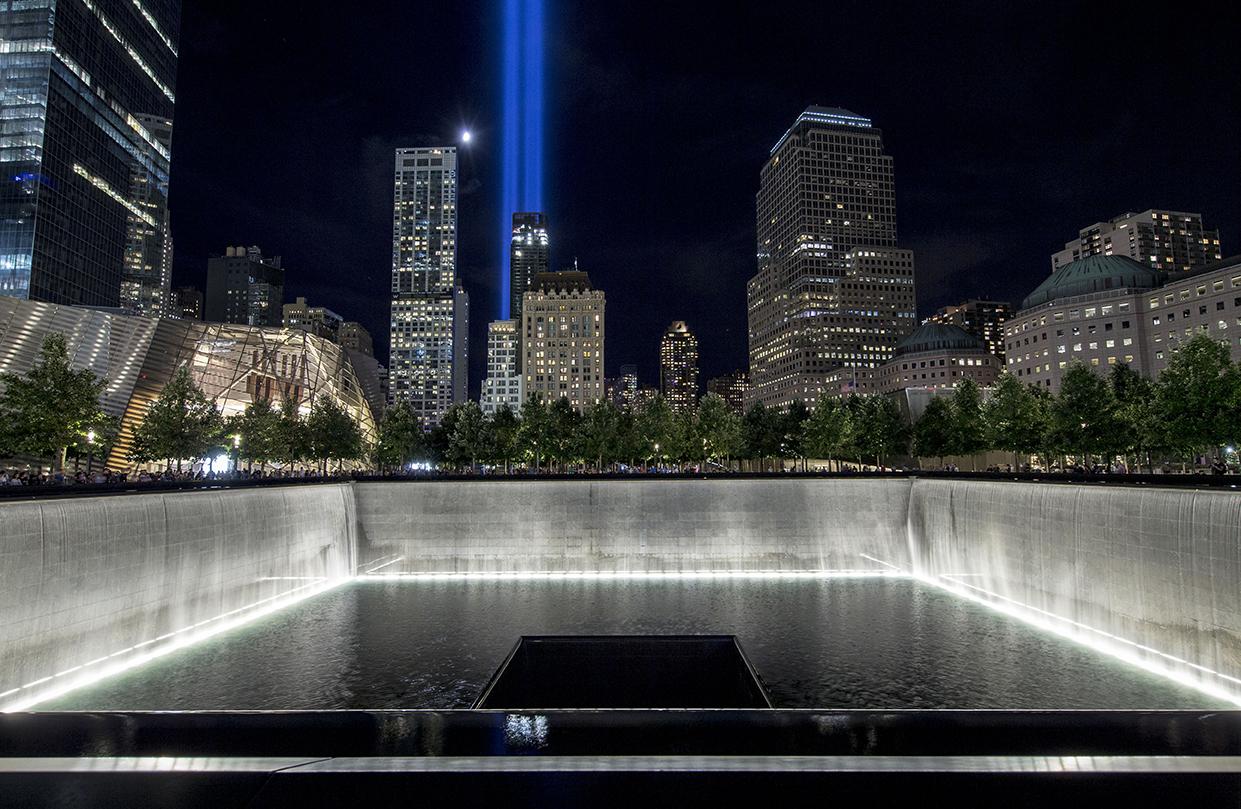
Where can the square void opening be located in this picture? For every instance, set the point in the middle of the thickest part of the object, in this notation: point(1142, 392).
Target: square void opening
point(625, 671)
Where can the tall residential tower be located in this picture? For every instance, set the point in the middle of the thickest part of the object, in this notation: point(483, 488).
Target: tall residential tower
point(1171, 241)
point(428, 359)
point(87, 107)
point(833, 294)
point(678, 367)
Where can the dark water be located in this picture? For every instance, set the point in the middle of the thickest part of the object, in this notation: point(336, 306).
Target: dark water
point(847, 643)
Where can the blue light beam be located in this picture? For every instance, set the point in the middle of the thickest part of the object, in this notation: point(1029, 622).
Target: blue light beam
point(523, 115)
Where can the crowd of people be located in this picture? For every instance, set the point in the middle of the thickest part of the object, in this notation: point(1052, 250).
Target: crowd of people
point(35, 477)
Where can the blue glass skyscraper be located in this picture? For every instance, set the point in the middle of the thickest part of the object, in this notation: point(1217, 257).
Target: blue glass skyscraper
point(86, 109)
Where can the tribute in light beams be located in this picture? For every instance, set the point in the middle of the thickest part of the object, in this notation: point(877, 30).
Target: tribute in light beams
point(522, 186)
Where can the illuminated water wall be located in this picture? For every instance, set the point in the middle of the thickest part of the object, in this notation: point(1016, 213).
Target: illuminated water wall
point(522, 116)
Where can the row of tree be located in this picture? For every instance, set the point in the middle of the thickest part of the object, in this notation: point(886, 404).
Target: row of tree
point(1192, 409)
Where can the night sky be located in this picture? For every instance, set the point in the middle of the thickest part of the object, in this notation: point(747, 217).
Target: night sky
point(1010, 129)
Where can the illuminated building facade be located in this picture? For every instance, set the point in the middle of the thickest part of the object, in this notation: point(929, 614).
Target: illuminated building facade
point(355, 337)
point(1169, 241)
point(678, 367)
point(562, 339)
point(87, 106)
point(1104, 311)
point(983, 319)
point(318, 320)
point(245, 287)
point(428, 360)
point(833, 293)
point(234, 365)
point(187, 303)
point(527, 256)
point(732, 389)
point(937, 356)
point(503, 384)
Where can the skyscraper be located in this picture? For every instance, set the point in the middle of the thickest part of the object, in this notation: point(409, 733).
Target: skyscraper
point(562, 338)
point(527, 256)
point(428, 360)
point(318, 320)
point(87, 105)
point(1171, 241)
point(503, 384)
point(678, 367)
point(983, 319)
point(731, 388)
point(833, 294)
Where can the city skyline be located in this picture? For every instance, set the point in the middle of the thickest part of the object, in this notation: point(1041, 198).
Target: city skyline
point(979, 228)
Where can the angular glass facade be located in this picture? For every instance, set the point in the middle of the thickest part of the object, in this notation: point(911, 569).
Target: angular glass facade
point(86, 109)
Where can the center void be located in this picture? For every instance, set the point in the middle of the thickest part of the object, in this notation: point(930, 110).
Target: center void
point(625, 671)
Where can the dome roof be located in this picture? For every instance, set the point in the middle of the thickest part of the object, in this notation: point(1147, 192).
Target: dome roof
point(939, 337)
point(1093, 274)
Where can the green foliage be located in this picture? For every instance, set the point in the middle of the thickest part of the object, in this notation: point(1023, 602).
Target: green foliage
point(934, 434)
point(333, 434)
point(829, 429)
point(600, 436)
point(762, 432)
point(1083, 417)
point(401, 437)
point(258, 431)
point(883, 431)
point(1196, 396)
point(657, 429)
point(472, 438)
point(718, 429)
point(792, 422)
point(50, 407)
point(292, 439)
point(969, 427)
point(1141, 428)
point(535, 434)
point(1013, 419)
point(181, 424)
point(506, 432)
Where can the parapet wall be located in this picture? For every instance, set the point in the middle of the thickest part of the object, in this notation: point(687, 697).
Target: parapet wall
point(84, 581)
point(638, 526)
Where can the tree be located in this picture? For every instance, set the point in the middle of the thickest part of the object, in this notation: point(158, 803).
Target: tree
point(828, 429)
point(563, 432)
point(1013, 422)
point(883, 432)
point(506, 431)
point(1195, 396)
point(969, 429)
point(600, 434)
point(182, 423)
point(719, 429)
point(334, 435)
point(791, 422)
point(535, 432)
point(257, 430)
point(51, 406)
point(401, 437)
point(1142, 429)
point(933, 434)
point(471, 437)
point(440, 439)
point(292, 438)
point(1083, 419)
point(762, 430)
point(656, 425)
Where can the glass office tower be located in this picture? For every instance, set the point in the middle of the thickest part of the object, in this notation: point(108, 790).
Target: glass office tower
point(86, 108)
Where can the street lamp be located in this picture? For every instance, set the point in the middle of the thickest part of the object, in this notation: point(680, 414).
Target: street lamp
point(236, 450)
point(90, 449)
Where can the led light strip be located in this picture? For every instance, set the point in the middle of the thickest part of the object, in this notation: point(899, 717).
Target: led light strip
point(1109, 644)
point(588, 575)
point(146, 15)
point(103, 186)
point(180, 638)
point(133, 54)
